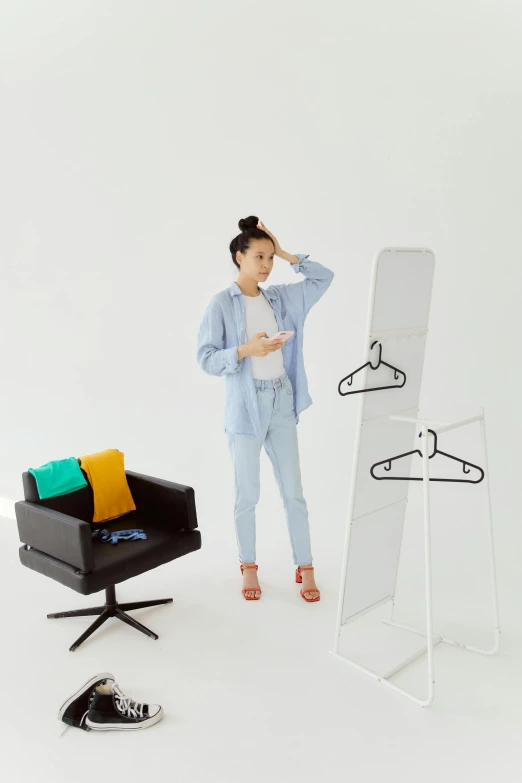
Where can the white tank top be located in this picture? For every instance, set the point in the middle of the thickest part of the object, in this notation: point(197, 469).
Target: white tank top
point(260, 318)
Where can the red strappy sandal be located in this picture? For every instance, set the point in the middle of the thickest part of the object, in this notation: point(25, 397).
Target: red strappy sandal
point(299, 579)
point(250, 589)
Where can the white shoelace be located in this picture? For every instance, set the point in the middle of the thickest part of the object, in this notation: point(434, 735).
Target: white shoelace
point(128, 707)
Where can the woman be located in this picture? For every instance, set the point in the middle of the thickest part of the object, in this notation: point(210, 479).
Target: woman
point(266, 387)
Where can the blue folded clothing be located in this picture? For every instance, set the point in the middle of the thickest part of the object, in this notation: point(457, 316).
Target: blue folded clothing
point(119, 535)
point(58, 477)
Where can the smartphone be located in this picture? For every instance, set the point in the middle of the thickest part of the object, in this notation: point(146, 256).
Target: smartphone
point(282, 336)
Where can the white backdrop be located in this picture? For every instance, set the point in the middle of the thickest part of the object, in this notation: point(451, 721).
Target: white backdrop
point(134, 137)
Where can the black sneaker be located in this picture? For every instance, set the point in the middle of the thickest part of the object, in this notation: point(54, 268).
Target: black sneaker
point(74, 710)
point(111, 709)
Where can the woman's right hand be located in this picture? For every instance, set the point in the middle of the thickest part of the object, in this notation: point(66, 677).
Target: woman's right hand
point(259, 347)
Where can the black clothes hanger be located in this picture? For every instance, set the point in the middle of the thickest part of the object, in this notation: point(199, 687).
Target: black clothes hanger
point(396, 374)
point(465, 466)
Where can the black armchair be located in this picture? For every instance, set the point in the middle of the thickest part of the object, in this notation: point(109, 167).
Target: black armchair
point(56, 534)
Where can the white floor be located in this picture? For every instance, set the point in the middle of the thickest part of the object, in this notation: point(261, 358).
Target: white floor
point(249, 689)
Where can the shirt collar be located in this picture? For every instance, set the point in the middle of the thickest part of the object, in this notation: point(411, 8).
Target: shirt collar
point(235, 290)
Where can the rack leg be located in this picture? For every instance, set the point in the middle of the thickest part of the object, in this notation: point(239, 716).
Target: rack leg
point(427, 557)
point(491, 542)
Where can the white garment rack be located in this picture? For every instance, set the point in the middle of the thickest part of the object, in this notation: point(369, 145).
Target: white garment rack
point(431, 638)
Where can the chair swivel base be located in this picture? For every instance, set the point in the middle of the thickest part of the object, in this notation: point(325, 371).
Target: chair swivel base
point(111, 608)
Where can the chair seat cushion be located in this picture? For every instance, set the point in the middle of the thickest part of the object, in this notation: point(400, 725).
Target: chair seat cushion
point(126, 556)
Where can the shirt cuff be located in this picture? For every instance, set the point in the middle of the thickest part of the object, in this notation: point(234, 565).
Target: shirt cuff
point(232, 361)
point(299, 266)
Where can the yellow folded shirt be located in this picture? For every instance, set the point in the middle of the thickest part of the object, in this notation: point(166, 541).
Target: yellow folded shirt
point(106, 473)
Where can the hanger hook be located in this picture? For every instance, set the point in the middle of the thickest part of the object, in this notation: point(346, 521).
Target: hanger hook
point(389, 466)
point(434, 444)
point(375, 342)
point(464, 468)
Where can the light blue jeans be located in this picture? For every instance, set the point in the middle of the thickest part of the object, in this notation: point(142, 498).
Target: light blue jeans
point(276, 411)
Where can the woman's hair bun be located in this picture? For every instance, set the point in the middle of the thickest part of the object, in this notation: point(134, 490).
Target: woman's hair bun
point(249, 222)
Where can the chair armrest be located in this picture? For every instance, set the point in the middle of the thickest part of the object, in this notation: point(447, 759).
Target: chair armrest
point(164, 500)
point(67, 538)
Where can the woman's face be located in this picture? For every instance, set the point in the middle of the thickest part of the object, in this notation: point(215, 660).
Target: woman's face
point(258, 261)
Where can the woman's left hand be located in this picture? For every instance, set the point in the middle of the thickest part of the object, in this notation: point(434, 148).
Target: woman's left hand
point(277, 247)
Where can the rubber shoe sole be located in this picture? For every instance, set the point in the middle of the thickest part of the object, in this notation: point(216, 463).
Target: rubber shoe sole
point(125, 727)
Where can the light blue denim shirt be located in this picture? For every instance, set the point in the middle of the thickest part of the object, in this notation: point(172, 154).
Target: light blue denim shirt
point(223, 330)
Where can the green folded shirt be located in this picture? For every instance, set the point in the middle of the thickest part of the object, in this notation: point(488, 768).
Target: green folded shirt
point(58, 477)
